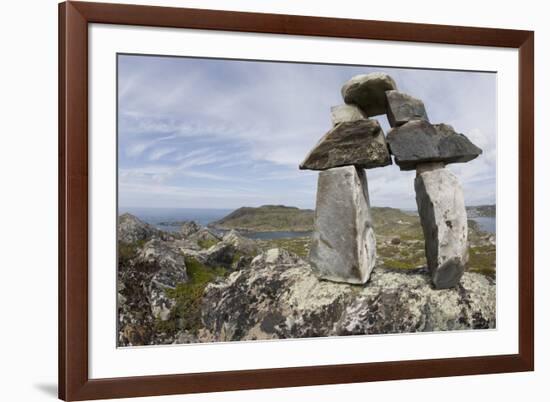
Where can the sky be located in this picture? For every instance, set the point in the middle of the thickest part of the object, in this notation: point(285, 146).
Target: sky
point(215, 133)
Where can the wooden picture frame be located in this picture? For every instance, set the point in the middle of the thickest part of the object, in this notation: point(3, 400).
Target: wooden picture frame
point(74, 381)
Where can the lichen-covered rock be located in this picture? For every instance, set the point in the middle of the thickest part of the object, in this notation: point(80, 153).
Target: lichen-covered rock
point(343, 246)
point(275, 256)
point(342, 113)
point(204, 237)
point(135, 319)
point(402, 301)
point(219, 255)
point(284, 299)
point(167, 264)
point(368, 92)
point(242, 244)
point(232, 252)
point(360, 143)
point(189, 228)
point(418, 141)
point(402, 108)
point(131, 229)
point(444, 221)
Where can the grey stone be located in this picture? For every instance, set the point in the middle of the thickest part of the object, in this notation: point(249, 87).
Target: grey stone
point(131, 229)
point(402, 108)
point(284, 299)
point(233, 252)
point(204, 236)
point(443, 217)
point(368, 92)
point(168, 265)
point(275, 256)
point(418, 142)
point(242, 244)
point(189, 228)
point(359, 143)
point(343, 113)
point(343, 246)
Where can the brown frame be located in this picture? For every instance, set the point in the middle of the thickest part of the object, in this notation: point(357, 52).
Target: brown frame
point(74, 18)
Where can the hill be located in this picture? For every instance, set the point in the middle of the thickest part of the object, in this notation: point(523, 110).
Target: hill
point(267, 218)
point(271, 218)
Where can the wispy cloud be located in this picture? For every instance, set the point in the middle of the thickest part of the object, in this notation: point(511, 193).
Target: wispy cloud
point(214, 125)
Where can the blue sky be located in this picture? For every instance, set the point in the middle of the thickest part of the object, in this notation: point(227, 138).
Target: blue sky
point(208, 133)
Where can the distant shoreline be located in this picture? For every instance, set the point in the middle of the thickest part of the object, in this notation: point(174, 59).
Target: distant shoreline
point(274, 219)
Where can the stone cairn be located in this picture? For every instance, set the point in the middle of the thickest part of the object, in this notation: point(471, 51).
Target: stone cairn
point(343, 245)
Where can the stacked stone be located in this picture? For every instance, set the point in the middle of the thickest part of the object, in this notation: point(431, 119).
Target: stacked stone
point(417, 144)
point(343, 245)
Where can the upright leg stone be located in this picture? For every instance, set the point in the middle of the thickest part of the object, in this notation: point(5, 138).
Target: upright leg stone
point(442, 213)
point(343, 246)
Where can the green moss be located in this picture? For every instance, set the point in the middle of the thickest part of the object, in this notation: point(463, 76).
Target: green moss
point(188, 296)
point(483, 260)
point(206, 244)
point(387, 251)
point(484, 271)
point(128, 251)
point(297, 245)
point(399, 264)
point(168, 327)
point(236, 257)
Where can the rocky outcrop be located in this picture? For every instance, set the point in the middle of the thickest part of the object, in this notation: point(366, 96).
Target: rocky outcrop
point(343, 246)
point(444, 221)
point(242, 244)
point(368, 92)
point(188, 228)
point(418, 142)
point(280, 297)
point(232, 252)
point(402, 108)
point(342, 113)
point(360, 143)
point(204, 237)
point(131, 229)
point(167, 265)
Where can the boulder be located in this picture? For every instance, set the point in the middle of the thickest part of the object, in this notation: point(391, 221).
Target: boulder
point(343, 113)
point(284, 299)
point(343, 246)
point(402, 108)
point(204, 238)
point(131, 229)
point(167, 265)
point(164, 260)
point(233, 252)
point(219, 255)
point(189, 228)
point(275, 256)
point(418, 142)
point(242, 244)
point(444, 221)
point(359, 143)
point(368, 92)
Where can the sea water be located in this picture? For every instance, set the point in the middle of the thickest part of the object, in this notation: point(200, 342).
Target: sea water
point(156, 216)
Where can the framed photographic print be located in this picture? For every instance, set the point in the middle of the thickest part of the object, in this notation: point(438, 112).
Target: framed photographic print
point(259, 200)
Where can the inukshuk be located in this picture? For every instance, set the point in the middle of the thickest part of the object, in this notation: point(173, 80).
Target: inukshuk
point(343, 247)
point(428, 148)
point(343, 243)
